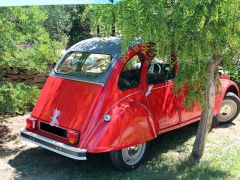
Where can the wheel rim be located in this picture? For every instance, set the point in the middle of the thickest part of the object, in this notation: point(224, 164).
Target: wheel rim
point(228, 110)
point(133, 154)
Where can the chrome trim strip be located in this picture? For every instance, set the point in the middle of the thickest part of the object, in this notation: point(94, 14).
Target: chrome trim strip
point(162, 87)
point(55, 146)
point(75, 79)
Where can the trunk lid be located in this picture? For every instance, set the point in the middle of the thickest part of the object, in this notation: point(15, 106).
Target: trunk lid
point(73, 99)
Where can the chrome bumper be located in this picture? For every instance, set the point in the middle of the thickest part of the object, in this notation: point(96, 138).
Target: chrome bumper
point(55, 146)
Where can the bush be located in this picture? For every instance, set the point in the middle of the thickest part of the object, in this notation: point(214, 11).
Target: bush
point(24, 41)
point(17, 99)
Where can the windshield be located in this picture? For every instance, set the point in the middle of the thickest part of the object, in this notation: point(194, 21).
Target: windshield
point(84, 64)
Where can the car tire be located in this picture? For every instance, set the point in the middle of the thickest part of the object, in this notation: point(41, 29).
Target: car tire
point(230, 108)
point(129, 158)
point(215, 122)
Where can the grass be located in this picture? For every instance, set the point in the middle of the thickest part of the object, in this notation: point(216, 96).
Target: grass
point(168, 158)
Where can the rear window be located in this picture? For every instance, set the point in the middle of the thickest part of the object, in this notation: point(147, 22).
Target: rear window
point(84, 64)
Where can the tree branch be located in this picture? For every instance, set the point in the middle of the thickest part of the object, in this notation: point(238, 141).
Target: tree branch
point(210, 9)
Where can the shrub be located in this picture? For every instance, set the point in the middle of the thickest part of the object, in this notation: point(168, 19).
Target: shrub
point(17, 99)
point(24, 41)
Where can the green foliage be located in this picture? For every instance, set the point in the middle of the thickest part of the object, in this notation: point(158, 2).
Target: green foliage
point(59, 22)
point(33, 37)
point(65, 23)
point(17, 99)
point(196, 31)
point(233, 69)
point(80, 29)
point(101, 18)
point(24, 40)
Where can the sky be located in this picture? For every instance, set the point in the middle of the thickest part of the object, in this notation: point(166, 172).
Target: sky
point(50, 2)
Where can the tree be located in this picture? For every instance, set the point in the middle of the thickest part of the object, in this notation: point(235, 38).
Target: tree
point(203, 34)
point(59, 23)
point(24, 42)
point(66, 23)
point(80, 29)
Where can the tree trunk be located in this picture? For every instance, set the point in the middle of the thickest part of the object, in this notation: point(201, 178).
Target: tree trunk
point(207, 113)
point(113, 25)
point(98, 30)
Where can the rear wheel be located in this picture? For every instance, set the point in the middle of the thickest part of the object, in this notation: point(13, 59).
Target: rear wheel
point(129, 158)
point(230, 108)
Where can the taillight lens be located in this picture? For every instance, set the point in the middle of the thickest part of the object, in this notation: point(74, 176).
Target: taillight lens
point(31, 123)
point(73, 136)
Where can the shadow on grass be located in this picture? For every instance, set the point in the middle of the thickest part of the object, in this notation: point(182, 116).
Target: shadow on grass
point(38, 163)
point(227, 125)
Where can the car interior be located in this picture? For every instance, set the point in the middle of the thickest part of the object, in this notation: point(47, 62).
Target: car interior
point(159, 73)
point(131, 73)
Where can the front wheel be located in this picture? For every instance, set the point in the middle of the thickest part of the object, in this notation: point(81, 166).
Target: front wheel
point(129, 158)
point(230, 108)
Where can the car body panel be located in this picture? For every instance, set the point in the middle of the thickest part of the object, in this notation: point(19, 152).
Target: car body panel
point(163, 105)
point(75, 101)
point(130, 124)
point(225, 87)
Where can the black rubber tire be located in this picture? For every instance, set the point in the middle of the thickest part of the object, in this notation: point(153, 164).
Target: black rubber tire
point(215, 122)
point(119, 164)
point(233, 97)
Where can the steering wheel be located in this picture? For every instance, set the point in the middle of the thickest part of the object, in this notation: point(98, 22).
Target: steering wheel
point(153, 70)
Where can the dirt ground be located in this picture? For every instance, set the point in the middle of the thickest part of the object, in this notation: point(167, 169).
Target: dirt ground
point(22, 160)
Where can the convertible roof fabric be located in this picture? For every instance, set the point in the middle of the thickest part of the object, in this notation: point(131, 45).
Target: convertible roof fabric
point(109, 45)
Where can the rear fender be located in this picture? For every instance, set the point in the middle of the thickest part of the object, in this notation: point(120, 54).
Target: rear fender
point(130, 123)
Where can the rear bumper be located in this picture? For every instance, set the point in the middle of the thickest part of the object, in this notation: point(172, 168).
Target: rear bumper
point(55, 146)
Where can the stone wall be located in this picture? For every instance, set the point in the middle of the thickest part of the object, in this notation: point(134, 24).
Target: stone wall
point(15, 75)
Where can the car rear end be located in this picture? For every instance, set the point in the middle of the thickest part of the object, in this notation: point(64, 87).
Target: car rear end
point(65, 109)
point(62, 111)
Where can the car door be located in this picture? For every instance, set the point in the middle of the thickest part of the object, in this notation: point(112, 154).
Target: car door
point(188, 113)
point(163, 105)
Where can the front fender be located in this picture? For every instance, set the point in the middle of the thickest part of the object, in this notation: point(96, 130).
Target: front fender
point(226, 86)
point(130, 124)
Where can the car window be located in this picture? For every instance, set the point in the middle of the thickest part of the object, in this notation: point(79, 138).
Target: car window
point(159, 72)
point(84, 64)
point(131, 74)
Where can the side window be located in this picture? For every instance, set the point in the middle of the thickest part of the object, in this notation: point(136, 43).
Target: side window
point(159, 72)
point(131, 74)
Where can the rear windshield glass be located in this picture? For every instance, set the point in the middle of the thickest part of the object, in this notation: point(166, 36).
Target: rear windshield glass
point(84, 64)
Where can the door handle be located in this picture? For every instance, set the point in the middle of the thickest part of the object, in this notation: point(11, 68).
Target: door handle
point(150, 87)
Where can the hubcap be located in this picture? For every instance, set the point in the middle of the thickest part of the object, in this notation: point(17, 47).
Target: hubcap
point(228, 110)
point(133, 154)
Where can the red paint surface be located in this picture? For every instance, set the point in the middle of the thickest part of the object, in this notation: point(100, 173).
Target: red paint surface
point(135, 118)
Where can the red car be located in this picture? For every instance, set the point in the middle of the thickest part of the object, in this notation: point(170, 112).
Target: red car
point(97, 100)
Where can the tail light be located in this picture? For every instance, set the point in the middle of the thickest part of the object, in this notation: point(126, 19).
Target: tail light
point(73, 136)
point(31, 123)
